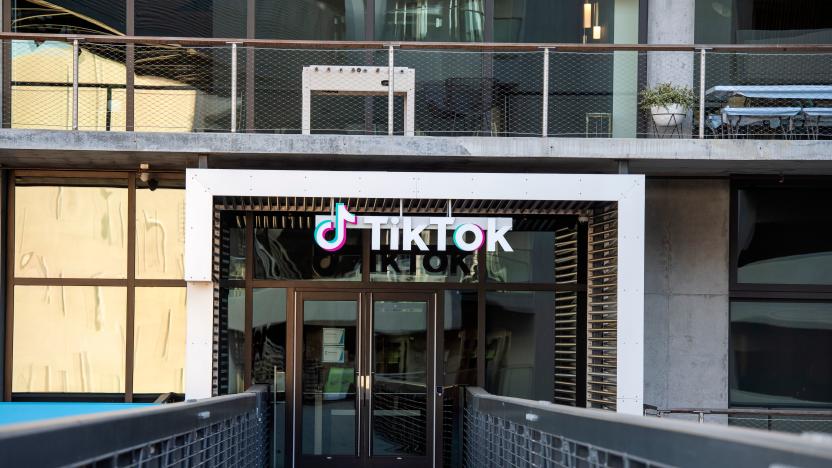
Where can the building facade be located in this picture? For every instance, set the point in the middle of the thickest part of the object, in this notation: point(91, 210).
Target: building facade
point(521, 222)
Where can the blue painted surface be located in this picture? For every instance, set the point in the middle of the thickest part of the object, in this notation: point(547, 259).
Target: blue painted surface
point(18, 412)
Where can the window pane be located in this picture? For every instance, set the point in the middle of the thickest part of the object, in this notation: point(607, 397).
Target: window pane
point(160, 233)
point(332, 20)
point(69, 339)
point(159, 336)
point(232, 246)
point(191, 18)
point(452, 265)
point(291, 254)
point(232, 340)
point(438, 21)
point(780, 237)
point(548, 21)
point(519, 354)
point(70, 232)
point(781, 354)
point(269, 337)
point(69, 16)
point(533, 259)
point(460, 367)
point(767, 22)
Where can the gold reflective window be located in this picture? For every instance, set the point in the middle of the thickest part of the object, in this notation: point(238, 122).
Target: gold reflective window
point(70, 232)
point(69, 339)
point(160, 233)
point(159, 361)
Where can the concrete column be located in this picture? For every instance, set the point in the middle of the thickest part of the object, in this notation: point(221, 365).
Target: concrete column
point(686, 293)
point(671, 22)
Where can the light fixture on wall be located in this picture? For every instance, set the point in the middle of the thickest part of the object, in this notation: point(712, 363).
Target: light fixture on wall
point(591, 20)
point(596, 30)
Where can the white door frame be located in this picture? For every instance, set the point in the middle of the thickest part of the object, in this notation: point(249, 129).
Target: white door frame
point(202, 185)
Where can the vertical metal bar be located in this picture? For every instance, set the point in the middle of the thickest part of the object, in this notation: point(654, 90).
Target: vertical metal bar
point(130, 82)
point(75, 84)
point(248, 340)
point(390, 84)
point(702, 93)
point(544, 131)
point(233, 87)
point(130, 327)
point(8, 342)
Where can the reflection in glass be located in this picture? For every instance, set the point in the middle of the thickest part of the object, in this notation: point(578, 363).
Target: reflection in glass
point(159, 334)
point(460, 367)
point(191, 18)
point(291, 254)
point(160, 233)
point(451, 266)
point(69, 17)
point(232, 340)
point(399, 387)
point(780, 237)
point(519, 328)
point(330, 20)
point(781, 354)
point(69, 339)
point(548, 21)
point(763, 22)
point(59, 230)
point(269, 337)
point(233, 245)
point(328, 425)
point(532, 261)
point(431, 20)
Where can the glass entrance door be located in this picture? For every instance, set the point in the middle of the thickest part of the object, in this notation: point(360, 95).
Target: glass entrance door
point(364, 379)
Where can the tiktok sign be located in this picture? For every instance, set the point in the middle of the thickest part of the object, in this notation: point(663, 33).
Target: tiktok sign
point(405, 232)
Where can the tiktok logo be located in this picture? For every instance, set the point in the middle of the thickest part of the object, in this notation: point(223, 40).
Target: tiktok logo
point(342, 217)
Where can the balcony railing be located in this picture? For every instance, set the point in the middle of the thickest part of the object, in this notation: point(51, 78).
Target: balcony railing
point(769, 419)
point(117, 83)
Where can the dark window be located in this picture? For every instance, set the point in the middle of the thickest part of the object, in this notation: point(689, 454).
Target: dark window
point(781, 354)
point(191, 18)
point(782, 237)
point(519, 331)
point(292, 254)
point(329, 20)
point(781, 318)
point(763, 21)
point(70, 17)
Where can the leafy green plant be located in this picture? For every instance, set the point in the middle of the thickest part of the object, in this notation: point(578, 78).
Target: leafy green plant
point(665, 94)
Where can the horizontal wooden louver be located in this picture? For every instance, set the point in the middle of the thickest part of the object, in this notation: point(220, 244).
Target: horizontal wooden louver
point(566, 317)
point(602, 312)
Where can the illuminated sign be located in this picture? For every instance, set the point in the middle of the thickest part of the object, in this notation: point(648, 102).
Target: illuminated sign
point(405, 232)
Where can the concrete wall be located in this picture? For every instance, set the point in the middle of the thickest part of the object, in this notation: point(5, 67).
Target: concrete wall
point(686, 293)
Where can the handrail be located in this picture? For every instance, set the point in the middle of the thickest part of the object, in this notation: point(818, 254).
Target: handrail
point(472, 46)
point(741, 411)
point(74, 439)
point(662, 441)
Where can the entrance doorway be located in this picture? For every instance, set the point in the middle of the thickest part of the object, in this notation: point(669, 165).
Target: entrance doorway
point(365, 374)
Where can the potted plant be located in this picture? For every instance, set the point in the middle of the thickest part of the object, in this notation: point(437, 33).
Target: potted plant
point(666, 101)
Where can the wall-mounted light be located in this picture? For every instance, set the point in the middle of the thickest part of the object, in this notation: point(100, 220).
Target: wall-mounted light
point(587, 15)
point(596, 30)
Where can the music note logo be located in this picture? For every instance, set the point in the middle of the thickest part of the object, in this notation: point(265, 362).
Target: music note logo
point(342, 217)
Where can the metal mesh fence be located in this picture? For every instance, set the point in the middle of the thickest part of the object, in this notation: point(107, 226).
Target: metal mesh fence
point(760, 419)
point(239, 441)
point(491, 441)
point(437, 92)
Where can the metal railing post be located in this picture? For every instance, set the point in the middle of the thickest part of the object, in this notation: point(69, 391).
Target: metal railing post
point(75, 50)
point(702, 93)
point(233, 87)
point(390, 84)
point(544, 131)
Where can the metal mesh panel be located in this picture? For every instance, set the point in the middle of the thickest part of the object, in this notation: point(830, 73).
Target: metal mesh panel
point(602, 314)
point(491, 441)
point(566, 316)
point(239, 441)
point(787, 116)
point(796, 421)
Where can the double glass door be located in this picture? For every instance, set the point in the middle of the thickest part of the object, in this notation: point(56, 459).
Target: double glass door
point(364, 379)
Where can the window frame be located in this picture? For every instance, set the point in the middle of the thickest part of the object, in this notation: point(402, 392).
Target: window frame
point(765, 292)
point(129, 282)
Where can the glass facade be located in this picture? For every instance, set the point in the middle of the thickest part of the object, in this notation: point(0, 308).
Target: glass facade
point(74, 292)
point(780, 318)
point(763, 22)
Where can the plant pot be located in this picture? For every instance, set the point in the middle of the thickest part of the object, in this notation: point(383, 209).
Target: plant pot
point(669, 115)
